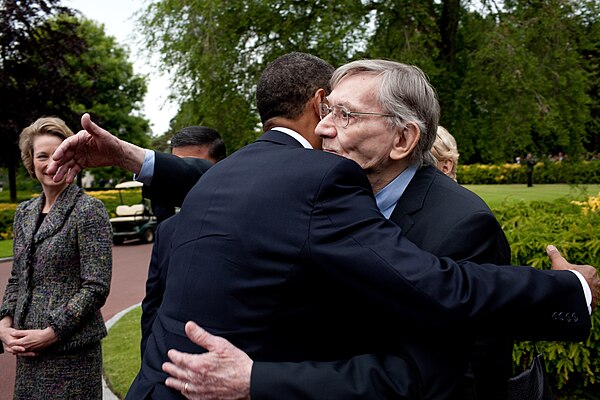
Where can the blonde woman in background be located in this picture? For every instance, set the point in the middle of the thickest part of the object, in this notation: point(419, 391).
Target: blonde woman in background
point(446, 152)
point(50, 316)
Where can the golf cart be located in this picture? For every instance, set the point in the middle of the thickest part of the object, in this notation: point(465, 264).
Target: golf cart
point(133, 221)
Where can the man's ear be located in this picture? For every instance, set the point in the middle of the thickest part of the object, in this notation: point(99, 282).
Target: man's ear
point(318, 97)
point(405, 141)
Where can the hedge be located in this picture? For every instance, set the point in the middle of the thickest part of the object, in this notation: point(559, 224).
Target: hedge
point(574, 227)
point(579, 172)
point(110, 198)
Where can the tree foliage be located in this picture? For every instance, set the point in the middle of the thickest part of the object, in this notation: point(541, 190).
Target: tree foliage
point(512, 76)
point(21, 94)
point(55, 63)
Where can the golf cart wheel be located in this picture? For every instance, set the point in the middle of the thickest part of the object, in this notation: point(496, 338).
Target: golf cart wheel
point(147, 236)
point(118, 240)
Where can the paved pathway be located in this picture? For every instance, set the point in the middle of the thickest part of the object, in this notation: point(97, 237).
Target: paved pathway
point(130, 266)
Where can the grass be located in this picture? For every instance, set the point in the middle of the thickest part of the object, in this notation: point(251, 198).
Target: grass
point(495, 195)
point(5, 248)
point(121, 352)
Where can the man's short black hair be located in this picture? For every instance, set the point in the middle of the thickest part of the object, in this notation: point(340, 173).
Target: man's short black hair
point(201, 135)
point(288, 83)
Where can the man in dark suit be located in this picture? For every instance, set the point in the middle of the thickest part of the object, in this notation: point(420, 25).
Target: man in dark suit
point(192, 143)
point(286, 228)
point(433, 212)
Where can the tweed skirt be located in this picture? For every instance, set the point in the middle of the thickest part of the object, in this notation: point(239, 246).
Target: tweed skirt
point(76, 374)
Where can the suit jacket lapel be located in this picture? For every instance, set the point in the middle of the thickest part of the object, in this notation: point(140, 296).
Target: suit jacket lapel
point(30, 215)
point(58, 214)
point(413, 198)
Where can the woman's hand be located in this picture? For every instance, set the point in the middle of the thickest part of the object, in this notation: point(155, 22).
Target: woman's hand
point(9, 337)
point(34, 340)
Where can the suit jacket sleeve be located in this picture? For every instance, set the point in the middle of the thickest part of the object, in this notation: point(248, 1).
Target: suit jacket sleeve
point(9, 302)
point(362, 377)
point(348, 241)
point(174, 177)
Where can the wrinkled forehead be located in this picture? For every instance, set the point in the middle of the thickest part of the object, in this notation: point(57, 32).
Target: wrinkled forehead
point(357, 89)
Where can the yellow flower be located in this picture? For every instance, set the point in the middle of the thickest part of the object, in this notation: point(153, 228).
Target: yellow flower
point(591, 204)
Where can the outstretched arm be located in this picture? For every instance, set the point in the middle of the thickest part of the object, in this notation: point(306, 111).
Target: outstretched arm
point(93, 147)
point(225, 372)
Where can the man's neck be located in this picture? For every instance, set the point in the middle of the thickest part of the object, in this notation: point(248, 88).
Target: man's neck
point(303, 125)
point(381, 178)
point(387, 198)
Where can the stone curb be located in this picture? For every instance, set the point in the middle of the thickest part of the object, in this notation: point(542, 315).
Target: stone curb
point(107, 394)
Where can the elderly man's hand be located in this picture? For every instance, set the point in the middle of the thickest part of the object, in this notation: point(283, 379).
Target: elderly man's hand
point(589, 273)
point(93, 147)
point(222, 373)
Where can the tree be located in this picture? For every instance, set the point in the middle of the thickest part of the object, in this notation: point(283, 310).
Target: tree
point(217, 52)
point(63, 66)
point(525, 89)
point(512, 76)
point(589, 47)
point(20, 94)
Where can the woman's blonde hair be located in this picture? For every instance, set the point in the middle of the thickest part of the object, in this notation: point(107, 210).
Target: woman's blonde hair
point(445, 148)
point(42, 126)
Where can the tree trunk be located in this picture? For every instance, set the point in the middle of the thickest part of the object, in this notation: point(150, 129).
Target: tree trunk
point(448, 24)
point(12, 180)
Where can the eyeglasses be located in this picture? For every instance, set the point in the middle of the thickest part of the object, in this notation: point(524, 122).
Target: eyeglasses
point(341, 115)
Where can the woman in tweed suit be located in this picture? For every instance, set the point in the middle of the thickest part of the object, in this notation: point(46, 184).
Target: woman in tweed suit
point(50, 315)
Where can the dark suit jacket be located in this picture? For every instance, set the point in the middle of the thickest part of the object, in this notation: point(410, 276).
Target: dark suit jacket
point(441, 217)
point(157, 275)
point(173, 177)
point(274, 232)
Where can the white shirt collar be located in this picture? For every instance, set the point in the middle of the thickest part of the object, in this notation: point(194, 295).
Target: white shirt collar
point(295, 135)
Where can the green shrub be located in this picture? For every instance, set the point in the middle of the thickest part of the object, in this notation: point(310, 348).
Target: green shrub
point(529, 227)
point(7, 214)
point(548, 172)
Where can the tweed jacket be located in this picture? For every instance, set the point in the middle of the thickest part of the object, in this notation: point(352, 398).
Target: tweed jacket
point(61, 272)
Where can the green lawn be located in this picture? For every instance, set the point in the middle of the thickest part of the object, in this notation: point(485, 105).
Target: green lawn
point(495, 195)
point(121, 352)
point(5, 248)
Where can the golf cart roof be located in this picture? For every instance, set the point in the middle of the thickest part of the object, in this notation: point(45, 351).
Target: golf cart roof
point(129, 185)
